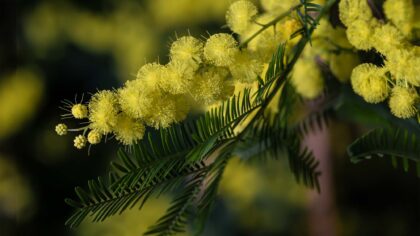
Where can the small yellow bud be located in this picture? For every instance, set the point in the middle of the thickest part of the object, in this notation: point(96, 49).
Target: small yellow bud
point(61, 129)
point(94, 137)
point(220, 49)
point(403, 102)
point(79, 111)
point(80, 141)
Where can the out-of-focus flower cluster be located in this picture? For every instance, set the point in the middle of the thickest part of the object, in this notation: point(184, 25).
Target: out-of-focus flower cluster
point(20, 95)
point(15, 193)
point(123, 33)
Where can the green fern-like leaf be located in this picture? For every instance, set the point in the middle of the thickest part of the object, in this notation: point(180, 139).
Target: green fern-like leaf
point(392, 143)
point(304, 165)
point(175, 218)
point(102, 200)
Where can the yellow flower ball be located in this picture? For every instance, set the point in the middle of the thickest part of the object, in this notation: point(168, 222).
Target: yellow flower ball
point(403, 102)
point(94, 137)
point(404, 64)
point(79, 111)
point(369, 81)
point(239, 15)
point(401, 13)
point(352, 10)
point(164, 112)
point(221, 49)
point(359, 33)
point(128, 130)
point(208, 85)
point(246, 67)
point(80, 141)
point(135, 98)
point(104, 109)
point(177, 77)
point(151, 74)
point(187, 50)
point(307, 78)
point(61, 129)
point(387, 38)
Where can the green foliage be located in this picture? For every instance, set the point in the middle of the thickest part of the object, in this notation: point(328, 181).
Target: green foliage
point(305, 15)
point(393, 143)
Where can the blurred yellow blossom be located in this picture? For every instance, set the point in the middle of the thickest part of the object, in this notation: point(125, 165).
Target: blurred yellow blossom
point(20, 95)
point(16, 200)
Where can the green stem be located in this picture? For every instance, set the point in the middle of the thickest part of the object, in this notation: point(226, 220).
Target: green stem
point(279, 83)
point(269, 24)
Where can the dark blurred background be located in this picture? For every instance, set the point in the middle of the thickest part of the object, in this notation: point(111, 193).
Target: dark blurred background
point(55, 50)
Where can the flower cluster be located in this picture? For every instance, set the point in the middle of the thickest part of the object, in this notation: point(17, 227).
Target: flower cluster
point(399, 78)
point(199, 74)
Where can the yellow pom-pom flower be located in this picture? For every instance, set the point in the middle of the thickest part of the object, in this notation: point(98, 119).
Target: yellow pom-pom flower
point(352, 10)
point(221, 49)
point(369, 81)
point(387, 38)
point(307, 79)
point(208, 85)
point(403, 102)
point(136, 98)
point(342, 65)
point(187, 50)
point(80, 141)
point(151, 74)
point(94, 137)
point(79, 111)
point(103, 109)
point(359, 33)
point(246, 67)
point(404, 64)
point(61, 129)
point(164, 112)
point(177, 78)
point(401, 13)
point(128, 130)
point(239, 15)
